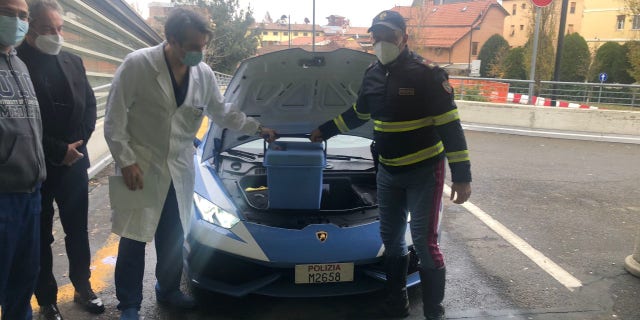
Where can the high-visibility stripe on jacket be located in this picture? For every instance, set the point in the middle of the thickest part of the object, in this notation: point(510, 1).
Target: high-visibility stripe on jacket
point(416, 121)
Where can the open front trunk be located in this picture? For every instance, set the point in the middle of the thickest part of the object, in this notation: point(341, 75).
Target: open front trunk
point(347, 200)
point(340, 193)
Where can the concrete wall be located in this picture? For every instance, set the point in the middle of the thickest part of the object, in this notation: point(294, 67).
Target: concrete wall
point(511, 115)
point(99, 154)
point(562, 119)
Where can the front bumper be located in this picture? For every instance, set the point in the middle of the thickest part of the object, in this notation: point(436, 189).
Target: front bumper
point(272, 272)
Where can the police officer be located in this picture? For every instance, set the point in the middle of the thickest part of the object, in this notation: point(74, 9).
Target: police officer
point(416, 126)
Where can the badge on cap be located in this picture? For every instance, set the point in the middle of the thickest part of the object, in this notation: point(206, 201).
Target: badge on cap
point(382, 15)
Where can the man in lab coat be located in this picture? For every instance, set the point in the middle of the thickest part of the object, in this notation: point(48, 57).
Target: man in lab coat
point(156, 104)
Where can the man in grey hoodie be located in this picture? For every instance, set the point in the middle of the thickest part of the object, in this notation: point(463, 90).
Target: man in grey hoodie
point(22, 169)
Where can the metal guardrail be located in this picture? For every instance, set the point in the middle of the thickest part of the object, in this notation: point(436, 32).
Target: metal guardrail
point(223, 80)
point(497, 90)
point(101, 93)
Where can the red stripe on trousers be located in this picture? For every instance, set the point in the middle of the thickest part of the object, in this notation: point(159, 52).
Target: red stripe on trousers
point(434, 212)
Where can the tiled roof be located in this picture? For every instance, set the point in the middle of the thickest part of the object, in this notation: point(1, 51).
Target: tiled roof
point(444, 37)
point(448, 15)
point(443, 25)
point(362, 31)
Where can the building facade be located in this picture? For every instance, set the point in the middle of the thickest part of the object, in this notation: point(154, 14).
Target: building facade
point(103, 33)
point(452, 34)
point(518, 25)
point(610, 20)
point(284, 33)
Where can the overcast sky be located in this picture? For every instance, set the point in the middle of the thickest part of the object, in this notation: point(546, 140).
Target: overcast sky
point(360, 12)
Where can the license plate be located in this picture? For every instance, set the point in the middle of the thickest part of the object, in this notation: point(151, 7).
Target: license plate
point(324, 273)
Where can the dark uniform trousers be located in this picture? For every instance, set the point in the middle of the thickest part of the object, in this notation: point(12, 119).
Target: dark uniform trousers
point(69, 188)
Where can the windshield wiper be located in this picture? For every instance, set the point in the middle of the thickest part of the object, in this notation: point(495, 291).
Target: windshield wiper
point(343, 157)
point(243, 154)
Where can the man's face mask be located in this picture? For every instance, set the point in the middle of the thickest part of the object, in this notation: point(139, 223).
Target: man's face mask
point(386, 51)
point(192, 58)
point(12, 30)
point(50, 43)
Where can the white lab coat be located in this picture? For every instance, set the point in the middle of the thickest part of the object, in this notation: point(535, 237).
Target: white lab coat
point(144, 125)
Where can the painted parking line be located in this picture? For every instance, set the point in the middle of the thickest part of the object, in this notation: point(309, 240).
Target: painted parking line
point(550, 267)
point(102, 268)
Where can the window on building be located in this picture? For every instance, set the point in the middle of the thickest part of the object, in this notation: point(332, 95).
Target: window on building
point(275, 33)
point(295, 34)
point(521, 27)
point(513, 11)
point(317, 34)
point(305, 34)
point(285, 33)
point(572, 8)
point(620, 23)
point(524, 6)
point(474, 49)
point(264, 33)
point(569, 29)
point(513, 30)
point(636, 22)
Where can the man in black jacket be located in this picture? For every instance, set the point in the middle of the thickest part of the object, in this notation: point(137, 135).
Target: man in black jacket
point(68, 109)
point(416, 126)
point(22, 169)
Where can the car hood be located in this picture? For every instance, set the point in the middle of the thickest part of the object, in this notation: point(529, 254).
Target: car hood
point(294, 91)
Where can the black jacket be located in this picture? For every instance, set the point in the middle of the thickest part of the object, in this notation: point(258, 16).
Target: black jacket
point(415, 118)
point(22, 166)
point(61, 129)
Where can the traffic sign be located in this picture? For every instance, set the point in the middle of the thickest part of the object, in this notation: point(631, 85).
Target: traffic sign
point(603, 77)
point(541, 3)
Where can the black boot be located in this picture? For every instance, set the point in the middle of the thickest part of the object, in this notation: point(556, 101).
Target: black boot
point(432, 282)
point(396, 303)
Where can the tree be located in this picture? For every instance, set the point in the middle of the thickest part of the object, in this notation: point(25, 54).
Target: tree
point(232, 40)
point(633, 6)
point(283, 19)
point(513, 64)
point(546, 52)
point(575, 59)
point(611, 58)
point(495, 46)
point(267, 18)
point(633, 55)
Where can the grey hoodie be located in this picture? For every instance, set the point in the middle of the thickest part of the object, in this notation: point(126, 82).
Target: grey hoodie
point(22, 166)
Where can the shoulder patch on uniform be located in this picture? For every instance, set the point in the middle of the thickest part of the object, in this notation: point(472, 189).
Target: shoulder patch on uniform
point(429, 63)
point(447, 86)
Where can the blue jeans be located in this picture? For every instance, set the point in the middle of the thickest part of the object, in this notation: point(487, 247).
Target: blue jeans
point(418, 192)
point(19, 252)
point(169, 239)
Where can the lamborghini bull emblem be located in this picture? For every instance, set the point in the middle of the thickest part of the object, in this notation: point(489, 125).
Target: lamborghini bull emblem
point(322, 235)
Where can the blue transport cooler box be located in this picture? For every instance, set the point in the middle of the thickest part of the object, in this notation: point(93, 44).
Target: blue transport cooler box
point(294, 174)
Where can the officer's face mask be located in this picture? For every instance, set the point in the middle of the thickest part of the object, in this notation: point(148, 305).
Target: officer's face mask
point(50, 43)
point(12, 30)
point(386, 51)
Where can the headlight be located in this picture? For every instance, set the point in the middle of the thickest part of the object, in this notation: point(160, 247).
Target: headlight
point(214, 214)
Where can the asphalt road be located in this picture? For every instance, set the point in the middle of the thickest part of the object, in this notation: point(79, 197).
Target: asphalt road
point(573, 206)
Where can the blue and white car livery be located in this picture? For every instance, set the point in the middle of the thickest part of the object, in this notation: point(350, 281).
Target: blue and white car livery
point(236, 244)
